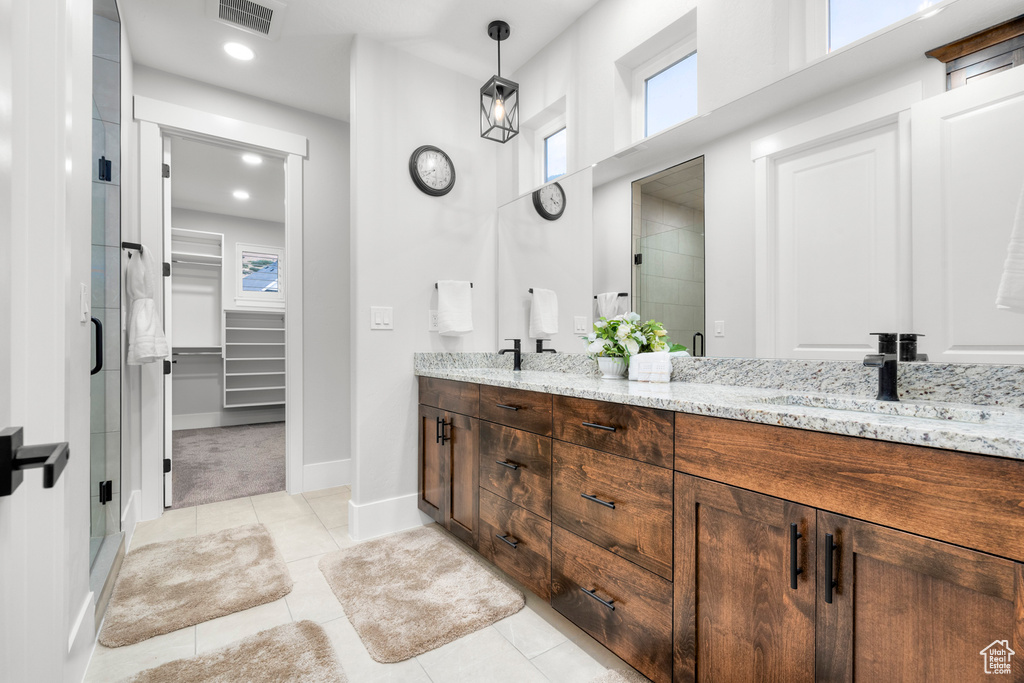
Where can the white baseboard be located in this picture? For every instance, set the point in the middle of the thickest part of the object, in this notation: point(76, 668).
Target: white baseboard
point(228, 418)
point(325, 475)
point(381, 517)
point(130, 516)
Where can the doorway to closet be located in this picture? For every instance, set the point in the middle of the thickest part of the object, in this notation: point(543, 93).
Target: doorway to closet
point(226, 321)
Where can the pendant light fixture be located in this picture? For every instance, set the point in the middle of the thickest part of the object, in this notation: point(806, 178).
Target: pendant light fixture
point(499, 97)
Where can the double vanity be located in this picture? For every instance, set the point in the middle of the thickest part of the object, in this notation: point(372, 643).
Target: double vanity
point(728, 533)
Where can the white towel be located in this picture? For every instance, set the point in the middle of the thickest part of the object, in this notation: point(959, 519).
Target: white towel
point(146, 341)
point(1011, 288)
point(607, 304)
point(543, 313)
point(454, 308)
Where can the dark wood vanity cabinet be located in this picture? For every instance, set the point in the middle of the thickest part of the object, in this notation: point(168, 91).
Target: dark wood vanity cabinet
point(449, 471)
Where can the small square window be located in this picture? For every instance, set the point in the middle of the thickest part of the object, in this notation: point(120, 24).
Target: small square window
point(555, 160)
point(258, 272)
point(670, 96)
point(851, 20)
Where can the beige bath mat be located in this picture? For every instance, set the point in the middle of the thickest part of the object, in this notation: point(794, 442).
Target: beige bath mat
point(415, 591)
point(166, 586)
point(292, 652)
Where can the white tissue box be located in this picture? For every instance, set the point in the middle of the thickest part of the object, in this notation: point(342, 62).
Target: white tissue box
point(650, 367)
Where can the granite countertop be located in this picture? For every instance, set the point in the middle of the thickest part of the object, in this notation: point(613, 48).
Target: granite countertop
point(988, 430)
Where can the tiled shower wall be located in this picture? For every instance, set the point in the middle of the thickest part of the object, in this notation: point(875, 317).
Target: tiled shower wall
point(671, 279)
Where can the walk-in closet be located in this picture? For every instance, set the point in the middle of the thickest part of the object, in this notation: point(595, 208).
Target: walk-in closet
point(227, 322)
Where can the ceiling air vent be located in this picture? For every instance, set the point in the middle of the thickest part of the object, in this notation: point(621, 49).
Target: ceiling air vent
point(261, 18)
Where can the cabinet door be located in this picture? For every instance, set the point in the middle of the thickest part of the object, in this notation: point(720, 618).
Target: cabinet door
point(907, 608)
point(737, 615)
point(464, 482)
point(433, 468)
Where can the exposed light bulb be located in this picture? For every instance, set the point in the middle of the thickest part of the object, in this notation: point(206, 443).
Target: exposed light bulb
point(499, 110)
point(252, 159)
point(239, 51)
point(240, 194)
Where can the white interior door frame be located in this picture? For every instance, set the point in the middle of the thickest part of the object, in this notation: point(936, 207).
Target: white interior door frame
point(156, 120)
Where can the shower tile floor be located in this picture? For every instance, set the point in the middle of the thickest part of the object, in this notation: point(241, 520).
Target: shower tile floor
point(536, 644)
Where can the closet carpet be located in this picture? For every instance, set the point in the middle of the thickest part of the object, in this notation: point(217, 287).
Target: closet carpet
point(224, 463)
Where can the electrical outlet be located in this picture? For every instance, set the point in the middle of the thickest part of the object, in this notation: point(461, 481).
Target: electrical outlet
point(432, 323)
point(580, 324)
point(719, 328)
point(382, 318)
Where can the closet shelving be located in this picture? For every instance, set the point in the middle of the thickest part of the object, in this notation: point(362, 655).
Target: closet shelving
point(254, 358)
point(197, 248)
point(197, 258)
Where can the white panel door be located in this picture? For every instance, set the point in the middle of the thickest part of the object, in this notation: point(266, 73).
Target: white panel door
point(968, 172)
point(834, 259)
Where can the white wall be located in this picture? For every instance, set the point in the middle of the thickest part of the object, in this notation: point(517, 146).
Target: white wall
point(403, 241)
point(198, 398)
point(612, 244)
point(325, 252)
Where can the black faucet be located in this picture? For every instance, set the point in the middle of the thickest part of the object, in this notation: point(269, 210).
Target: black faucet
point(886, 362)
point(540, 347)
point(908, 348)
point(517, 359)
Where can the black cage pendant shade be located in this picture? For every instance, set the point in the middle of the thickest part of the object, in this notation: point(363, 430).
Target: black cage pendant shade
point(499, 97)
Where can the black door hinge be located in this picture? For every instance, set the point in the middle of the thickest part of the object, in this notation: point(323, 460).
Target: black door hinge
point(167, 465)
point(167, 269)
point(105, 172)
point(167, 367)
point(167, 170)
point(106, 492)
point(638, 259)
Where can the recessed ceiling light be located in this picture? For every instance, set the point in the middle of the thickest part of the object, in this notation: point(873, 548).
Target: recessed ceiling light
point(253, 159)
point(239, 51)
point(240, 194)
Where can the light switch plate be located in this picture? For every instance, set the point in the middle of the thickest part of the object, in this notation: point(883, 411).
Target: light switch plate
point(432, 322)
point(719, 328)
point(382, 318)
point(580, 324)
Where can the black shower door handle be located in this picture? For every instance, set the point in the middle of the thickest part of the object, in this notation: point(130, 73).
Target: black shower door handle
point(99, 346)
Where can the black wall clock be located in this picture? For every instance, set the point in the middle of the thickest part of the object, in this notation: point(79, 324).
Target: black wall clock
point(432, 170)
point(550, 201)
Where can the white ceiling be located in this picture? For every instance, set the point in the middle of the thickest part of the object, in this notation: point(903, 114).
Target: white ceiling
point(308, 65)
point(203, 177)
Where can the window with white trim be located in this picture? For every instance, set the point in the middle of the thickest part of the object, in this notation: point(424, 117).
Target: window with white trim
point(258, 275)
point(851, 20)
point(664, 90)
point(555, 159)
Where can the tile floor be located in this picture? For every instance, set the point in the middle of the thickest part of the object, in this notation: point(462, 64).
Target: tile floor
point(536, 644)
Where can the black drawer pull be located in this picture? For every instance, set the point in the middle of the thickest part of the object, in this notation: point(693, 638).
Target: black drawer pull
point(514, 544)
point(793, 562)
point(509, 464)
point(607, 504)
point(597, 426)
point(610, 604)
point(507, 407)
point(830, 583)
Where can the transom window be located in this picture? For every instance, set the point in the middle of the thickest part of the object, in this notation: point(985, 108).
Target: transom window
point(670, 96)
point(851, 20)
point(555, 161)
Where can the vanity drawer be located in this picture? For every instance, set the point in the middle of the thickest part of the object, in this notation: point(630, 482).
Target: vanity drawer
point(639, 628)
point(638, 433)
point(527, 410)
point(525, 476)
point(638, 527)
point(527, 554)
point(456, 397)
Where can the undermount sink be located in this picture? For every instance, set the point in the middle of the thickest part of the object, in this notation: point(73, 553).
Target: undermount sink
point(932, 411)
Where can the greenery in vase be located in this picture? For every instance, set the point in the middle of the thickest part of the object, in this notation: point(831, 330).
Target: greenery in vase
point(624, 336)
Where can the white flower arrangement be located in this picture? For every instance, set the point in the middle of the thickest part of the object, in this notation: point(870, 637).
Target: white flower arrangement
point(624, 336)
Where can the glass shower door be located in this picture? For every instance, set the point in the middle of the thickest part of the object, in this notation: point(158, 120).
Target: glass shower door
point(105, 387)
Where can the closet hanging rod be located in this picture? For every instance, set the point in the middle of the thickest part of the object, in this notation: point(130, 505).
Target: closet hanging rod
point(620, 294)
point(470, 285)
point(195, 353)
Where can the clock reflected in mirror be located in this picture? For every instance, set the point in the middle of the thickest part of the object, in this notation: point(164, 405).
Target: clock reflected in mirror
point(432, 170)
point(550, 201)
